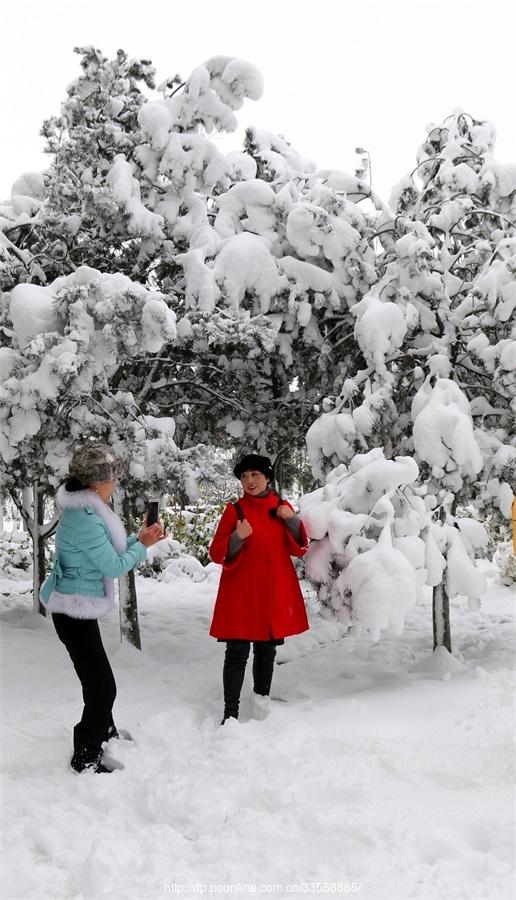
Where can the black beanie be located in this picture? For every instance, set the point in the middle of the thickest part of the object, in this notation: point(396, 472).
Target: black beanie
point(254, 461)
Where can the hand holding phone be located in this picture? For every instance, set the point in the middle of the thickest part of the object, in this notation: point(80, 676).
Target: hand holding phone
point(149, 535)
point(152, 529)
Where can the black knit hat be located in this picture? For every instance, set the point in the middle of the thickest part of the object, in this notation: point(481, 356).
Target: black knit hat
point(254, 461)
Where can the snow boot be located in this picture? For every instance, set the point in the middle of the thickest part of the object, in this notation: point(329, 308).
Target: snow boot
point(88, 759)
point(228, 716)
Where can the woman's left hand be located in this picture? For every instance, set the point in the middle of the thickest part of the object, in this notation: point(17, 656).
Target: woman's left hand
point(285, 512)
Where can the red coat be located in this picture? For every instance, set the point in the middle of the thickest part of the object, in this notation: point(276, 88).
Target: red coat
point(259, 597)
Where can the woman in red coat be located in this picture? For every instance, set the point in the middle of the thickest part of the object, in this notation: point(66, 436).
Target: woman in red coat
point(259, 599)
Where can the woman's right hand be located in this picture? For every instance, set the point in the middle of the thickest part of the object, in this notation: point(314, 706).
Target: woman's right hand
point(243, 529)
point(149, 535)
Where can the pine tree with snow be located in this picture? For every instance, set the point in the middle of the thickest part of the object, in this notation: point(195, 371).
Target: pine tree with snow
point(295, 249)
point(61, 383)
point(416, 390)
point(260, 255)
point(89, 207)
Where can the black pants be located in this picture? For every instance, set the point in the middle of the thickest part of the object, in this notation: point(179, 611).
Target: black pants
point(82, 639)
point(235, 660)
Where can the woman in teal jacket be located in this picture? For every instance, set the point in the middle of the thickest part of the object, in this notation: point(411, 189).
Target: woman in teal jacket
point(92, 549)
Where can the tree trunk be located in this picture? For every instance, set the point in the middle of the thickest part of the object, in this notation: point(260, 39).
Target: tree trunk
point(27, 504)
point(127, 597)
point(35, 526)
point(128, 606)
point(278, 473)
point(40, 538)
point(32, 512)
point(441, 617)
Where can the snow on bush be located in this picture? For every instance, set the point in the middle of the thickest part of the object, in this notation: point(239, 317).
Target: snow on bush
point(505, 563)
point(15, 554)
point(367, 556)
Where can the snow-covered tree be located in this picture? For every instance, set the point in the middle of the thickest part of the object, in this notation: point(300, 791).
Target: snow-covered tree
point(443, 270)
point(60, 385)
point(260, 255)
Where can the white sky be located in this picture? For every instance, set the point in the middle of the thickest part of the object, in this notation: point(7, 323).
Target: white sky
point(338, 73)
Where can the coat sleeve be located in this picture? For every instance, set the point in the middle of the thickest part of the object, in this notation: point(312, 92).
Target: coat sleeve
point(296, 548)
point(99, 549)
point(219, 545)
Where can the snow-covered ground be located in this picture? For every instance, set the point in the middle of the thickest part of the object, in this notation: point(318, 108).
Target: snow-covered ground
point(370, 777)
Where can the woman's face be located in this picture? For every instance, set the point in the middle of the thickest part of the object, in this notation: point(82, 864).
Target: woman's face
point(104, 489)
point(253, 482)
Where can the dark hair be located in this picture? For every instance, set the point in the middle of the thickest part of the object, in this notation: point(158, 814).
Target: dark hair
point(73, 484)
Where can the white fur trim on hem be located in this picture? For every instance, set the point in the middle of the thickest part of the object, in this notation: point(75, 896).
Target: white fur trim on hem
point(78, 606)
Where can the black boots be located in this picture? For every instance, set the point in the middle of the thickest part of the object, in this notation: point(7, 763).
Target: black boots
point(92, 757)
point(88, 758)
point(84, 759)
point(228, 717)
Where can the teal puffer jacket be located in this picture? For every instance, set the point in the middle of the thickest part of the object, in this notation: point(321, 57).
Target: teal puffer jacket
point(91, 549)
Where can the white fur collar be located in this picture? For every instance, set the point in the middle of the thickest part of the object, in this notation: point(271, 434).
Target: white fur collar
point(80, 499)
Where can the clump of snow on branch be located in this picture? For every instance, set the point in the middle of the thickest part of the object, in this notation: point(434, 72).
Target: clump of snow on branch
point(443, 430)
point(70, 335)
point(363, 527)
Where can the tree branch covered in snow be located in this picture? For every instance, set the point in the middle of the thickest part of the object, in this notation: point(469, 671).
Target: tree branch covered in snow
point(436, 332)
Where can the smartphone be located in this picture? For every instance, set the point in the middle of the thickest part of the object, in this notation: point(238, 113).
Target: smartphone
point(152, 512)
